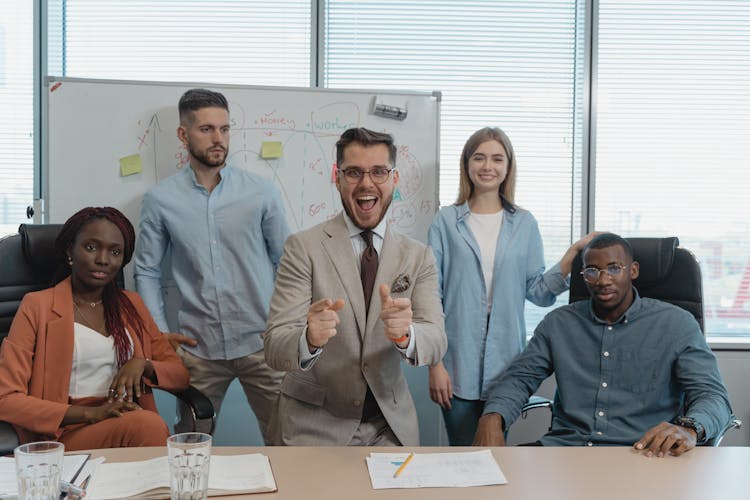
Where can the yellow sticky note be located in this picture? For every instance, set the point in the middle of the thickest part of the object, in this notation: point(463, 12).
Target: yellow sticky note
point(130, 165)
point(271, 149)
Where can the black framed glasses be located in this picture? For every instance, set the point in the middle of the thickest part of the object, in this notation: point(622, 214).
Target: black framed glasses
point(355, 175)
point(592, 274)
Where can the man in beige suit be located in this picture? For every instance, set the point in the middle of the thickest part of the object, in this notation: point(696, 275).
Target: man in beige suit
point(343, 382)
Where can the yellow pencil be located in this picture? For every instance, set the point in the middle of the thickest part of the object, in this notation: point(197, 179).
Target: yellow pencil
point(403, 465)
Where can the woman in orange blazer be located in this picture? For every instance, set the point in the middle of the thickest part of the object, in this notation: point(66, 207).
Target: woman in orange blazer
point(81, 357)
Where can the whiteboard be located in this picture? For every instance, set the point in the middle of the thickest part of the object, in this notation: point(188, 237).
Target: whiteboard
point(92, 124)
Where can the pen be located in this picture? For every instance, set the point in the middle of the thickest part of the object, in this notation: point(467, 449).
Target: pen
point(403, 465)
point(72, 490)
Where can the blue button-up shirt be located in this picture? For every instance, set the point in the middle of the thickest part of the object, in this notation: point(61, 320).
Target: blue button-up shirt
point(481, 346)
point(616, 381)
point(225, 246)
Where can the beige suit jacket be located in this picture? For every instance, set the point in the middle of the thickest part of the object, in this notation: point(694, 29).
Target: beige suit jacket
point(323, 405)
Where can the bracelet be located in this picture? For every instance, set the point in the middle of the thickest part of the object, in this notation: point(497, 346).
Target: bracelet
point(401, 339)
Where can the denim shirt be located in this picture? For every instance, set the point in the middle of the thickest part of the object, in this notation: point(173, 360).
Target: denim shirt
point(614, 382)
point(480, 347)
point(225, 246)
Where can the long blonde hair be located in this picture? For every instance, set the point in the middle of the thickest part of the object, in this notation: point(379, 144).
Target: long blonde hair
point(507, 189)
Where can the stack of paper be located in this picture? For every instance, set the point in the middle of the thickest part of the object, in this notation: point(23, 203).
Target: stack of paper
point(228, 475)
point(434, 470)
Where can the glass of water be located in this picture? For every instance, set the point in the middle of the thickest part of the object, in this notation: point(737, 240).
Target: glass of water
point(189, 460)
point(38, 468)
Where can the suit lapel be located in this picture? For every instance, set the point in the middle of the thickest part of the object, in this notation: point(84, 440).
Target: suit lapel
point(338, 246)
point(58, 349)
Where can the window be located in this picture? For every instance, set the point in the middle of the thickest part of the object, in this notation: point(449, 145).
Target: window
point(224, 41)
point(17, 103)
point(673, 122)
point(516, 65)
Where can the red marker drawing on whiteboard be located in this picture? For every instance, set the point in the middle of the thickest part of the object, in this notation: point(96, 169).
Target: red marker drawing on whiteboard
point(55, 87)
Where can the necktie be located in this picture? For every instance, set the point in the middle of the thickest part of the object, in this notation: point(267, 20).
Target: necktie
point(369, 267)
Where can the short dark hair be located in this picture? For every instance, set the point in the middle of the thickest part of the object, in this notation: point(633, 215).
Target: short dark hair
point(605, 240)
point(364, 137)
point(195, 99)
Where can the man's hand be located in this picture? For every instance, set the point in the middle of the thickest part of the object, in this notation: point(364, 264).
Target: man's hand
point(666, 438)
point(176, 339)
point(490, 431)
point(322, 320)
point(396, 316)
point(441, 390)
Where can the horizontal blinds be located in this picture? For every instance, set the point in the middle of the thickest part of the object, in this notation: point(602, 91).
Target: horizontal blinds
point(673, 128)
point(497, 63)
point(17, 105)
point(225, 41)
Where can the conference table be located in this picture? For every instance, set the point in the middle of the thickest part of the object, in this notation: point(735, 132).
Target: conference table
point(598, 473)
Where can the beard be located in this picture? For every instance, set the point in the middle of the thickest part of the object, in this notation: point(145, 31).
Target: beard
point(204, 158)
point(357, 222)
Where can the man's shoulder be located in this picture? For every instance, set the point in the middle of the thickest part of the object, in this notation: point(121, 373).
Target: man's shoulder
point(662, 310)
point(568, 314)
point(171, 184)
point(244, 176)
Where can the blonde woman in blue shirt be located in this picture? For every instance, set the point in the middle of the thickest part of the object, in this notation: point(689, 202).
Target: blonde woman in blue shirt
point(484, 238)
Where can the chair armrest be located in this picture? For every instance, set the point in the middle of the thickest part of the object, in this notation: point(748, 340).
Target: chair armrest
point(8, 438)
point(734, 423)
point(200, 406)
point(535, 402)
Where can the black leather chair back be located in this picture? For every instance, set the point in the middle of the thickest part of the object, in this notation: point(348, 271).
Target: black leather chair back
point(27, 264)
point(667, 272)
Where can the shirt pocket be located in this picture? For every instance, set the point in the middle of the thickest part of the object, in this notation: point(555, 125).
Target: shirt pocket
point(638, 372)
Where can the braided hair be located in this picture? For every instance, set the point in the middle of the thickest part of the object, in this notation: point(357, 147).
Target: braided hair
point(117, 305)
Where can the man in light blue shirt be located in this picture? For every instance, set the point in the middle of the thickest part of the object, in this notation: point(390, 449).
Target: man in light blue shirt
point(630, 370)
point(225, 229)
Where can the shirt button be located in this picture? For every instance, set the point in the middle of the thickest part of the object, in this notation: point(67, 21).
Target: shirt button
point(601, 413)
point(625, 321)
point(606, 354)
point(589, 443)
point(604, 384)
point(598, 433)
point(356, 402)
point(609, 328)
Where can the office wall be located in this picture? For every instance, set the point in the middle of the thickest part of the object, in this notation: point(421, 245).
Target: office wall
point(237, 425)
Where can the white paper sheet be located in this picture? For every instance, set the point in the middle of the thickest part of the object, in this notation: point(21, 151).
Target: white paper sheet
point(435, 470)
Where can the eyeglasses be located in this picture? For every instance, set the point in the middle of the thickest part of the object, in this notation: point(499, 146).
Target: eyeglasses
point(354, 175)
point(592, 274)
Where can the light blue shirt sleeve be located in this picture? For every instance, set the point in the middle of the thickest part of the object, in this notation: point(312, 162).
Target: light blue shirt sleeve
point(151, 246)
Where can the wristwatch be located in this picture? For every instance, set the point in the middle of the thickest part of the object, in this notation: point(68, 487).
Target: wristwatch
point(690, 423)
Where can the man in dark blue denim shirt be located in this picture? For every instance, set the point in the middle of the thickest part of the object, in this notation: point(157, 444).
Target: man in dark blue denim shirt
point(626, 368)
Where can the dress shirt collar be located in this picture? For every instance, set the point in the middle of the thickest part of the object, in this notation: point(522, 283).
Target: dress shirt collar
point(464, 210)
point(355, 231)
point(224, 173)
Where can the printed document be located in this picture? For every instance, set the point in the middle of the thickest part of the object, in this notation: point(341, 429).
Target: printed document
point(434, 470)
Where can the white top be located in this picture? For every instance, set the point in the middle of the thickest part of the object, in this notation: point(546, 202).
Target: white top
point(94, 362)
point(486, 229)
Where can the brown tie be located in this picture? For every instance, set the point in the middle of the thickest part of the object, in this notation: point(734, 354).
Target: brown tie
point(369, 267)
point(370, 408)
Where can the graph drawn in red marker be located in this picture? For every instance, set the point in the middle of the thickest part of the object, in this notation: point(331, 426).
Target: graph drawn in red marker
point(55, 87)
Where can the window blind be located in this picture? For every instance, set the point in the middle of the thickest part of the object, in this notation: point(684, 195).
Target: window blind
point(17, 103)
point(673, 122)
point(225, 41)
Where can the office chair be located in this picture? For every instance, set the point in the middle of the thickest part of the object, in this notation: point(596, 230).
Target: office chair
point(27, 264)
point(668, 272)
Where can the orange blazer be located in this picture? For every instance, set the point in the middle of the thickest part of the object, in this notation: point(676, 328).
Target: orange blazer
point(37, 355)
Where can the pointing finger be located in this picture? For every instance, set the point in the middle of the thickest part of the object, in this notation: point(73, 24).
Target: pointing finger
point(385, 296)
point(320, 305)
point(336, 306)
